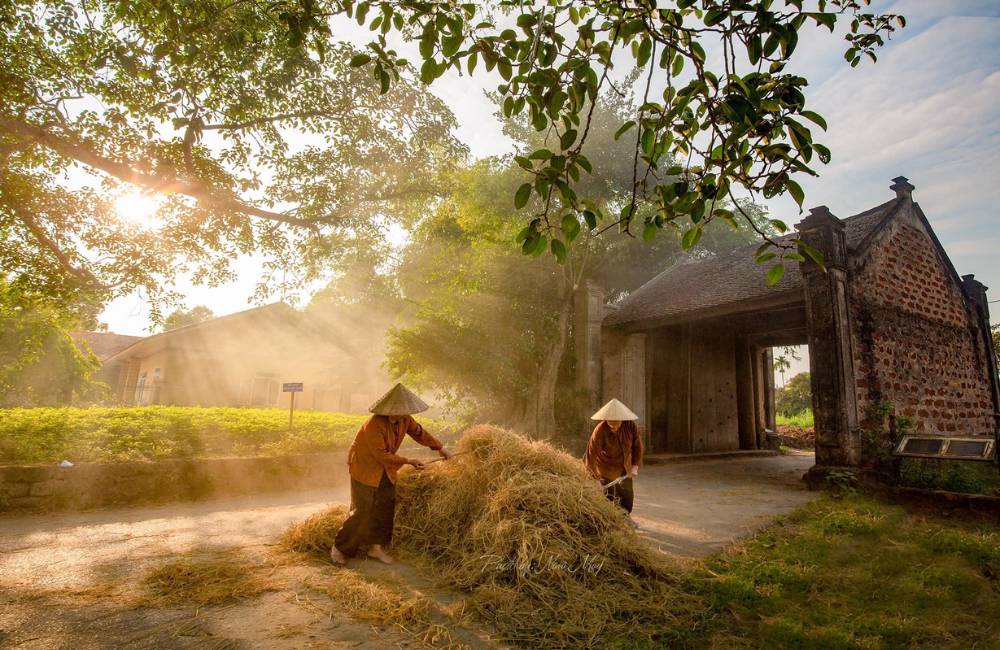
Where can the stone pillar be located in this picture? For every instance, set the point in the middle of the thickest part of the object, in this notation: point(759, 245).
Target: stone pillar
point(976, 291)
point(831, 359)
point(588, 314)
point(770, 420)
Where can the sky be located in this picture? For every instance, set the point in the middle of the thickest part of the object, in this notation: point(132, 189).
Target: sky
point(928, 110)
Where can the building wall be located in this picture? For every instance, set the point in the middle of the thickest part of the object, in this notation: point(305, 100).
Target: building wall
point(915, 342)
point(243, 362)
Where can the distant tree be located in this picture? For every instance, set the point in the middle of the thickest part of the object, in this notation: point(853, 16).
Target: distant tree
point(783, 361)
point(40, 365)
point(795, 396)
point(182, 317)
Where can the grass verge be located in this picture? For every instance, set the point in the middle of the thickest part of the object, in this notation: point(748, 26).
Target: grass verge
point(855, 572)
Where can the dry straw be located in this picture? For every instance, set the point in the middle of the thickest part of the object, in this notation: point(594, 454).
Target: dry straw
point(547, 561)
point(219, 579)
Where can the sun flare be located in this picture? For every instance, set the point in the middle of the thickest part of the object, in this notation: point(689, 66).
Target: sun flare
point(138, 208)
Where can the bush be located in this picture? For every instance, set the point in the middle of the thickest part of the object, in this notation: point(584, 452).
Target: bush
point(952, 475)
point(795, 396)
point(803, 420)
point(40, 435)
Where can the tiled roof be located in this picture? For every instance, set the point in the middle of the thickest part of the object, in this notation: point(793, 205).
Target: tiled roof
point(725, 278)
point(105, 344)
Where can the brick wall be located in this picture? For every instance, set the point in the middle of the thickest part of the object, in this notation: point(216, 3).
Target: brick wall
point(914, 342)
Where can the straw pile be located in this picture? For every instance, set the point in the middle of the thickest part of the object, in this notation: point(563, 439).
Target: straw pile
point(545, 558)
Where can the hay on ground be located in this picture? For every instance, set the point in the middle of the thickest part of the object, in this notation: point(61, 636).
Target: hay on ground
point(546, 559)
point(217, 579)
point(316, 534)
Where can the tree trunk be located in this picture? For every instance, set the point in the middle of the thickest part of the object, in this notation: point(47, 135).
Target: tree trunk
point(548, 373)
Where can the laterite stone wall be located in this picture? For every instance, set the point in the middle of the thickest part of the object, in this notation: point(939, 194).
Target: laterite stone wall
point(915, 343)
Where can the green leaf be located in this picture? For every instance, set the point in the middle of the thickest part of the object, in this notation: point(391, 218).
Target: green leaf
point(623, 128)
point(678, 65)
point(779, 225)
point(649, 231)
point(559, 250)
point(645, 50)
point(567, 139)
point(428, 71)
point(450, 44)
point(814, 117)
point(814, 254)
point(648, 140)
point(691, 237)
point(522, 196)
point(775, 273)
point(584, 163)
point(570, 226)
point(590, 218)
point(796, 191)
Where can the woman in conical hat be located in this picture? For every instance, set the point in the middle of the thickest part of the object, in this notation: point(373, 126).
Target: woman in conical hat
point(614, 451)
point(373, 464)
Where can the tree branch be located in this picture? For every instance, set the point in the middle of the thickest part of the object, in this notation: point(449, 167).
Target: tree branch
point(125, 172)
point(81, 274)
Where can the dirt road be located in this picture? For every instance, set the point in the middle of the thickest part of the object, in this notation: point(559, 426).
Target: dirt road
point(56, 570)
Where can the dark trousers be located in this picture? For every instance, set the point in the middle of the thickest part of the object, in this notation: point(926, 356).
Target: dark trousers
point(621, 494)
point(372, 514)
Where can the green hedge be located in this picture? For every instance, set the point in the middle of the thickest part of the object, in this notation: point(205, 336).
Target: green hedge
point(41, 435)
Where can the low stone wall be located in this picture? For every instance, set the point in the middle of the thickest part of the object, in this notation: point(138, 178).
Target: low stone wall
point(92, 485)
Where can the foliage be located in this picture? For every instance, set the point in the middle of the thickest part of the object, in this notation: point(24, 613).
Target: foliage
point(43, 435)
point(854, 572)
point(795, 397)
point(39, 362)
point(783, 361)
point(952, 475)
point(736, 120)
point(468, 286)
point(243, 119)
point(803, 419)
point(183, 317)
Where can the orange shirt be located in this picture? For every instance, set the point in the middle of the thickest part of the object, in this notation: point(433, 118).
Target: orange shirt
point(375, 446)
point(610, 454)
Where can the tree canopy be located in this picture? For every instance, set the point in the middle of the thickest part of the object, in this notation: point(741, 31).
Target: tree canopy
point(795, 396)
point(258, 140)
point(181, 317)
point(720, 111)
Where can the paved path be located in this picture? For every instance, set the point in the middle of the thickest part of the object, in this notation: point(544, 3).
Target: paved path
point(48, 562)
point(693, 508)
point(687, 509)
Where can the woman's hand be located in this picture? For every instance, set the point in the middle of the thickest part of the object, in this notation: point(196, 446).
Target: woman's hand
point(443, 451)
point(419, 464)
point(634, 471)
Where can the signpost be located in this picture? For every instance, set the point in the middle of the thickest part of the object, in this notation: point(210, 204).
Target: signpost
point(291, 387)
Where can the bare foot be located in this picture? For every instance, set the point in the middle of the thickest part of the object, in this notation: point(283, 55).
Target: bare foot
point(336, 556)
point(380, 555)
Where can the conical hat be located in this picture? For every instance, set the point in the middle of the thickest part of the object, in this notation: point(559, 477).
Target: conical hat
point(614, 410)
point(400, 400)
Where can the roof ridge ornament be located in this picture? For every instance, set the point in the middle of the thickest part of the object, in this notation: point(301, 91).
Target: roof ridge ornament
point(902, 187)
